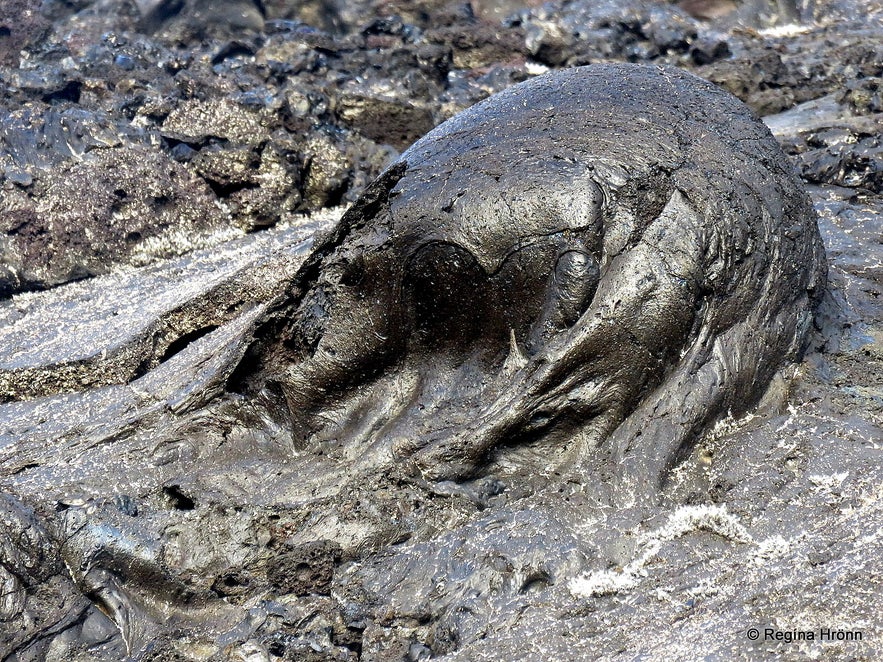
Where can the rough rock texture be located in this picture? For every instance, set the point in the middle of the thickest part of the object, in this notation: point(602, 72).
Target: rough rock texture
point(555, 263)
point(63, 347)
point(282, 107)
point(151, 511)
point(112, 207)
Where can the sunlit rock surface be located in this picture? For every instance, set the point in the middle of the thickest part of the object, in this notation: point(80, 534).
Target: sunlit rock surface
point(145, 517)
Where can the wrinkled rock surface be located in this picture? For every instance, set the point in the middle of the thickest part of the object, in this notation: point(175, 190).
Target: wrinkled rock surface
point(555, 263)
point(152, 511)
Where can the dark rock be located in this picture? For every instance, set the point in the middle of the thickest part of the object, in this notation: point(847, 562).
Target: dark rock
point(384, 118)
point(433, 266)
point(105, 209)
point(185, 21)
point(857, 164)
point(865, 95)
point(125, 430)
point(582, 32)
point(482, 46)
point(762, 81)
point(142, 320)
point(21, 177)
point(37, 599)
point(327, 170)
point(837, 147)
point(195, 121)
point(307, 569)
point(21, 25)
point(705, 51)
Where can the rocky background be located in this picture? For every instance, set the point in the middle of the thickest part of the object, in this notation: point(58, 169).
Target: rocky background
point(174, 157)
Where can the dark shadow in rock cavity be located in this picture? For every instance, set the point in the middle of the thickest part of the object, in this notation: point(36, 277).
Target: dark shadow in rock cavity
point(603, 262)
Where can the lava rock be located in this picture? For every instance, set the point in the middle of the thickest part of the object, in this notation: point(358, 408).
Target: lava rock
point(305, 570)
point(21, 25)
point(465, 249)
point(102, 210)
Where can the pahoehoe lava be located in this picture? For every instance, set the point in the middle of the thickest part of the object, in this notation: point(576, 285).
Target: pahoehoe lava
point(603, 261)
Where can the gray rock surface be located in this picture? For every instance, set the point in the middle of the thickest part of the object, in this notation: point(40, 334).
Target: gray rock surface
point(554, 263)
point(85, 337)
point(152, 511)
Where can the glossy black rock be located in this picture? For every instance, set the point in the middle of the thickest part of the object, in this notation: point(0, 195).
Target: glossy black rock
point(604, 261)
